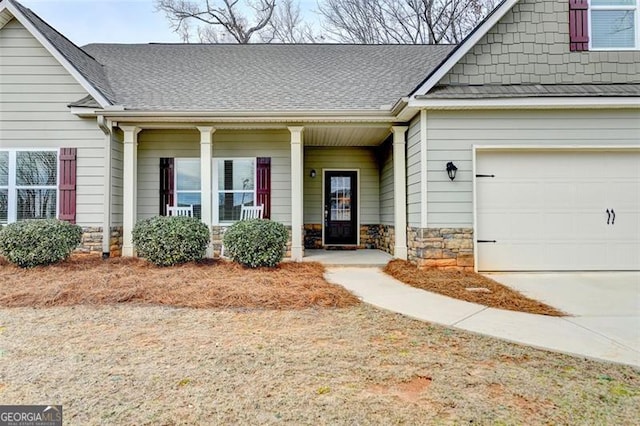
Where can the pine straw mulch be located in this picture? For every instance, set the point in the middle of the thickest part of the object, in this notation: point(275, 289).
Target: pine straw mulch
point(456, 284)
point(89, 280)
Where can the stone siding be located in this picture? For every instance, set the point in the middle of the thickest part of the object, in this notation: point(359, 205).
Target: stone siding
point(530, 45)
point(386, 238)
point(115, 243)
point(217, 233)
point(443, 248)
point(91, 240)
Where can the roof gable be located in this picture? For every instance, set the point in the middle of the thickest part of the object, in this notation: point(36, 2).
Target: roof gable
point(84, 68)
point(463, 48)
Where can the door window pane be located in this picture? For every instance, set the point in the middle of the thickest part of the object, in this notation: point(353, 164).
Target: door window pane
point(236, 175)
point(36, 204)
point(340, 198)
point(613, 28)
point(230, 205)
point(36, 168)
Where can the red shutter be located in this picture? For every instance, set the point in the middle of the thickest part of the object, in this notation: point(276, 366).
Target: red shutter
point(263, 187)
point(166, 184)
point(67, 185)
point(579, 25)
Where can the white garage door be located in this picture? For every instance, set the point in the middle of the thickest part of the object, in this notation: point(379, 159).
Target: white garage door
point(558, 210)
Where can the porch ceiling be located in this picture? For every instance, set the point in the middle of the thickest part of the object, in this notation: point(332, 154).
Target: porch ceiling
point(345, 135)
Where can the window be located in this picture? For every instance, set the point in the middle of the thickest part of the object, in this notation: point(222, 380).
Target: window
point(236, 187)
point(614, 24)
point(187, 182)
point(28, 185)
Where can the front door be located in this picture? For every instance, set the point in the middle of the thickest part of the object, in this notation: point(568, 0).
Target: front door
point(340, 208)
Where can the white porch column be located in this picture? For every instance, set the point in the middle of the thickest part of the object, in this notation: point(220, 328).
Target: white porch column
point(206, 154)
point(400, 191)
point(129, 187)
point(297, 158)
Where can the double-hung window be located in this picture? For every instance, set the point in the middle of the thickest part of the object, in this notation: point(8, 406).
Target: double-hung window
point(187, 184)
point(28, 184)
point(615, 24)
point(236, 186)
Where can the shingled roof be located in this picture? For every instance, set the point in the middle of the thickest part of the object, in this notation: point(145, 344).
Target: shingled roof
point(531, 90)
point(264, 77)
point(83, 62)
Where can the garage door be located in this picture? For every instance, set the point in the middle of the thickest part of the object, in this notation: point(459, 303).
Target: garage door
point(558, 210)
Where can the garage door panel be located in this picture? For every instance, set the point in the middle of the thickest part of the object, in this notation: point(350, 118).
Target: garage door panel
point(547, 210)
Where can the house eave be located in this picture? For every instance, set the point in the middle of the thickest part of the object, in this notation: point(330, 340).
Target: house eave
point(528, 103)
point(293, 116)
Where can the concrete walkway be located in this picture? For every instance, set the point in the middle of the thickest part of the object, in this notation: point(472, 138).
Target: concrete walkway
point(553, 333)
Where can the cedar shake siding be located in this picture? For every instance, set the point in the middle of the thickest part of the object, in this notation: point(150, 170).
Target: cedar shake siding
point(531, 45)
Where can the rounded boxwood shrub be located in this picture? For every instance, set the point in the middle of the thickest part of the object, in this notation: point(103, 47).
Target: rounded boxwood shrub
point(255, 243)
point(170, 240)
point(30, 243)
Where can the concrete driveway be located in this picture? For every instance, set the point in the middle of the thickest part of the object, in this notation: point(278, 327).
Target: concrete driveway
point(606, 303)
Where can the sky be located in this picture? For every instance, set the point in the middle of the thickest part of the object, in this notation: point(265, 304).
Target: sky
point(111, 21)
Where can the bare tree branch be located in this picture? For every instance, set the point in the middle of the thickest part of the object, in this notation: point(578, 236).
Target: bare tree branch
point(239, 18)
point(402, 21)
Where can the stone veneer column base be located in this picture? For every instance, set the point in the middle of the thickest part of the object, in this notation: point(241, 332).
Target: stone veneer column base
point(442, 248)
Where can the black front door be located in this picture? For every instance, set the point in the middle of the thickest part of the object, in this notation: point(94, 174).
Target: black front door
point(340, 208)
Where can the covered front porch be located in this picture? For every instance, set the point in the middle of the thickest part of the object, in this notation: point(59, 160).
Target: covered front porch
point(304, 159)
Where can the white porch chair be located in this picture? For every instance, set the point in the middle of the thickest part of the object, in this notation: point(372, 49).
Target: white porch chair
point(251, 212)
point(180, 210)
point(248, 213)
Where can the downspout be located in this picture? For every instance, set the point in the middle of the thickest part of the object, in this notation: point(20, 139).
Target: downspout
point(105, 126)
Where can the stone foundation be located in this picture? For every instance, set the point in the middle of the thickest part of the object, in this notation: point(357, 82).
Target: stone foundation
point(442, 248)
point(115, 241)
point(91, 242)
point(370, 236)
point(217, 233)
point(386, 238)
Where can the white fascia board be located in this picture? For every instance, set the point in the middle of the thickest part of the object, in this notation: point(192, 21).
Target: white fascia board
point(249, 116)
point(464, 48)
point(86, 85)
point(528, 103)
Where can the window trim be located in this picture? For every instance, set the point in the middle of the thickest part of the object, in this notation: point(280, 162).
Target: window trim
point(12, 187)
point(635, 8)
point(217, 191)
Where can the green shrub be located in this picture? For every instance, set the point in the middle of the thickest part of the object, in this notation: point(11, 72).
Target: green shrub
point(256, 242)
point(30, 243)
point(170, 240)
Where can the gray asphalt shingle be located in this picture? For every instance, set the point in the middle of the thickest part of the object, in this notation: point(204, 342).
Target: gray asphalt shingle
point(532, 90)
point(83, 62)
point(264, 77)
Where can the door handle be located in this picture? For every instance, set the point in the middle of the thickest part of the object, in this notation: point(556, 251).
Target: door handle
point(613, 220)
point(608, 216)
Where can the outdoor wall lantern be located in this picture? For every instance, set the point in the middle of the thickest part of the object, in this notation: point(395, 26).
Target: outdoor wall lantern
point(451, 170)
point(312, 174)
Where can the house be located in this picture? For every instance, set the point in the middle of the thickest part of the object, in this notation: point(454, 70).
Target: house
point(538, 109)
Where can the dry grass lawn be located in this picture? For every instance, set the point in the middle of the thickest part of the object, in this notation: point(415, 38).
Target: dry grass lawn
point(128, 364)
point(456, 284)
point(88, 280)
